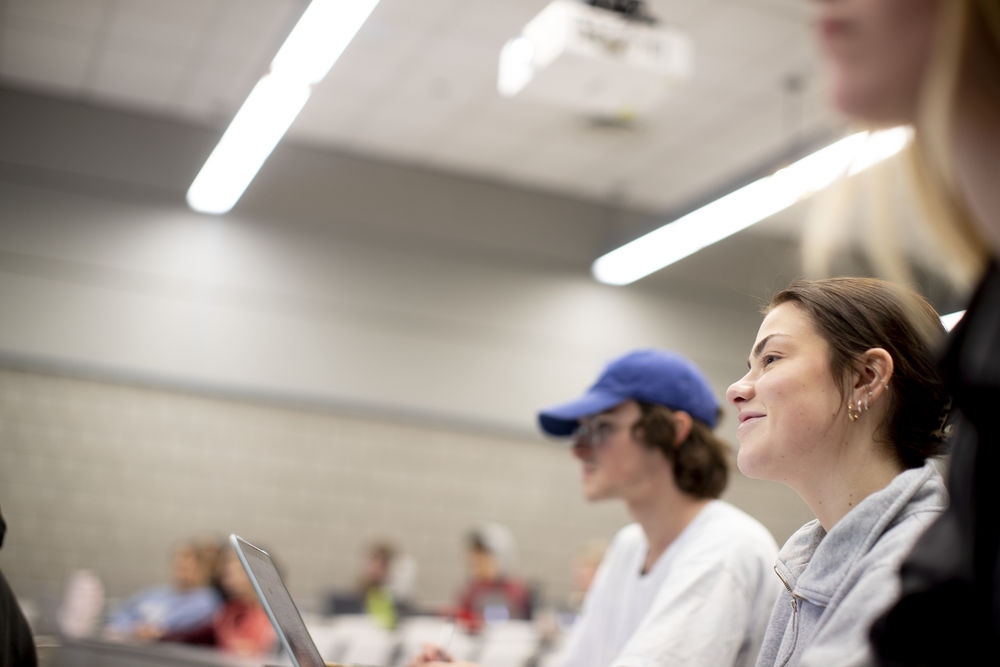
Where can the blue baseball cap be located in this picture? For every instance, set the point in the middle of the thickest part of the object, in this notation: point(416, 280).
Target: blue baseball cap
point(650, 376)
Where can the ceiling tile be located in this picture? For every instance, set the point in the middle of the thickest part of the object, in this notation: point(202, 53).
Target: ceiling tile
point(496, 22)
point(419, 16)
point(137, 78)
point(173, 15)
point(255, 29)
point(213, 91)
point(418, 85)
point(378, 53)
point(85, 15)
point(45, 54)
point(676, 12)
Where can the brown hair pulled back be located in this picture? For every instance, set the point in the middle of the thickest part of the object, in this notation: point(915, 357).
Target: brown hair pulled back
point(854, 315)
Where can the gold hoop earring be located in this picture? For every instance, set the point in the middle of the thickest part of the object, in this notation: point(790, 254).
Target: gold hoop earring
point(851, 414)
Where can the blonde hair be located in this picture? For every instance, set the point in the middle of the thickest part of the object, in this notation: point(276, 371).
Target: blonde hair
point(950, 229)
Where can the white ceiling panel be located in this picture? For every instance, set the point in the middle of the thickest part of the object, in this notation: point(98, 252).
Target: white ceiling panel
point(144, 77)
point(177, 25)
point(84, 15)
point(256, 28)
point(418, 86)
point(213, 89)
point(45, 54)
point(493, 23)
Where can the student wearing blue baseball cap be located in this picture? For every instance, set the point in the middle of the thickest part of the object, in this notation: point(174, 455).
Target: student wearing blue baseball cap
point(690, 582)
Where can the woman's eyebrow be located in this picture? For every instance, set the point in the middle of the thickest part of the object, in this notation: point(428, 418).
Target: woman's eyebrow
point(759, 347)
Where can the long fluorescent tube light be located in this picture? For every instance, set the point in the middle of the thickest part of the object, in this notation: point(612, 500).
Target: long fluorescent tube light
point(320, 36)
point(747, 205)
point(951, 319)
point(322, 33)
point(253, 133)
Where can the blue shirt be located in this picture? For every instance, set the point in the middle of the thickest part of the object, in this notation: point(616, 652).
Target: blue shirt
point(167, 608)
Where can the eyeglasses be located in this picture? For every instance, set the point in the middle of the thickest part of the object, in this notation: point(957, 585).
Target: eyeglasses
point(596, 433)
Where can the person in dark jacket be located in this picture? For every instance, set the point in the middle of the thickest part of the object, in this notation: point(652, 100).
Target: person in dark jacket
point(17, 646)
point(935, 65)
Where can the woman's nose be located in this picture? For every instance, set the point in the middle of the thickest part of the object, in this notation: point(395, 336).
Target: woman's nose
point(739, 391)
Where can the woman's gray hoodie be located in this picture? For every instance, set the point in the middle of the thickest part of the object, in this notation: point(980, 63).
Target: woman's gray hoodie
point(838, 583)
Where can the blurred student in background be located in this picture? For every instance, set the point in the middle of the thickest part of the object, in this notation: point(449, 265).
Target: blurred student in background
point(935, 65)
point(211, 550)
point(187, 602)
point(493, 592)
point(584, 569)
point(374, 584)
point(17, 646)
point(241, 625)
point(842, 402)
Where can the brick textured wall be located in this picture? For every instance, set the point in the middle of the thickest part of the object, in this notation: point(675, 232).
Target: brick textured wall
point(108, 476)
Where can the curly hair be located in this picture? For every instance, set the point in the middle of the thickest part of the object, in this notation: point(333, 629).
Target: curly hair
point(700, 463)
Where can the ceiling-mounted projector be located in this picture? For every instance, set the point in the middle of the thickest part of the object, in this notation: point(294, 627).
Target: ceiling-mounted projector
point(594, 60)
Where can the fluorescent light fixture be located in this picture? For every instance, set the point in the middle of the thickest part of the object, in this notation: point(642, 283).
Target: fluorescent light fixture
point(254, 132)
point(747, 206)
point(951, 319)
point(516, 66)
point(320, 36)
point(314, 45)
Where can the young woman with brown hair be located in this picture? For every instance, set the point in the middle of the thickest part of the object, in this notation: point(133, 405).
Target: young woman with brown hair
point(842, 402)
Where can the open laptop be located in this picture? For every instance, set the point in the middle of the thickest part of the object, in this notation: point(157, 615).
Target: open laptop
point(278, 604)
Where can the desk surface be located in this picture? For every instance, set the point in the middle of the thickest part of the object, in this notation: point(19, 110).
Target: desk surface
point(102, 653)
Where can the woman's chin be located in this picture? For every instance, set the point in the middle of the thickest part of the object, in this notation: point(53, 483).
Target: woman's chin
point(749, 465)
point(870, 104)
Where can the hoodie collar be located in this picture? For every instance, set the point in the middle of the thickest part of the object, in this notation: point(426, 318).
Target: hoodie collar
point(813, 563)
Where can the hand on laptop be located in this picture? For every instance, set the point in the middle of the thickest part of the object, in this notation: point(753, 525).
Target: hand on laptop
point(433, 655)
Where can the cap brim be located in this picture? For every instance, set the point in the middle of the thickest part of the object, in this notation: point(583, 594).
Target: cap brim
point(562, 420)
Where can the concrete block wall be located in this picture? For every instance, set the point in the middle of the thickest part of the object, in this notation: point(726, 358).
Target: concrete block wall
point(108, 476)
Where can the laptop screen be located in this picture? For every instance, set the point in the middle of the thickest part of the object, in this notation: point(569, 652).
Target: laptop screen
point(278, 603)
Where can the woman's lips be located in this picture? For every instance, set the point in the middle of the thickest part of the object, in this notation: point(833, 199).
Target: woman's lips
point(748, 418)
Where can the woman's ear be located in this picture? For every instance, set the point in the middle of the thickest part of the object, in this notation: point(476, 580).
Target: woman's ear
point(874, 373)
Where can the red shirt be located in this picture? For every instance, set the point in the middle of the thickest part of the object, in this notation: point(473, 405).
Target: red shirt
point(238, 627)
point(508, 598)
point(244, 628)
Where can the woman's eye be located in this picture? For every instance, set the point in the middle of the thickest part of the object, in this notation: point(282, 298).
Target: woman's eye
point(768, 359)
